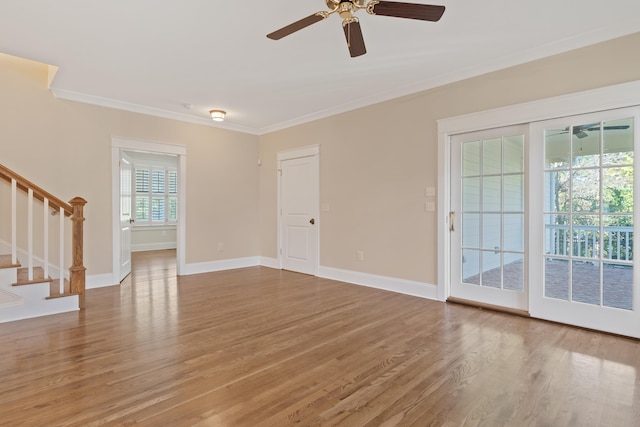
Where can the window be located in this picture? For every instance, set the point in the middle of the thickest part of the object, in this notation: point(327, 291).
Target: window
point(156, 195)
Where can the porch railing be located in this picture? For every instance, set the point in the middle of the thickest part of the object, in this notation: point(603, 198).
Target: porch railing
point(615, 242)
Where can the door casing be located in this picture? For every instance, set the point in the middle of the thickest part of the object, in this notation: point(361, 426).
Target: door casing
point(119, 144)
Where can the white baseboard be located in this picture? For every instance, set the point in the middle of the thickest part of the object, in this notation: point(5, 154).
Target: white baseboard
point(143, 247)
point(226, 264)
point(95, 281)
point(270, 262)
point(402, 286)
point(408, 287)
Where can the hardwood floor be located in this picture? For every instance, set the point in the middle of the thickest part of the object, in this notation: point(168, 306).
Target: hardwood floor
point(262, 347)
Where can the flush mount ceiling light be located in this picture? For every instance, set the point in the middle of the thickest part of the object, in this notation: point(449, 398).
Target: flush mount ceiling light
point(217, 115)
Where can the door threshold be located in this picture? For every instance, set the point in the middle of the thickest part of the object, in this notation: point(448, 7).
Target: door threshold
point(522, 313)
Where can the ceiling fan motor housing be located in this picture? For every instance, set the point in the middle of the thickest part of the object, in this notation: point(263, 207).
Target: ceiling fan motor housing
point(346, 10)
point(332, 4)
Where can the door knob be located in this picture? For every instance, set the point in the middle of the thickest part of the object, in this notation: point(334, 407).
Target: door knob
point(312, 221)
point(131, 220)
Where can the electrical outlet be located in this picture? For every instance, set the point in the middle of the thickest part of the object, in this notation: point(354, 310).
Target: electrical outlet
point(360, 255)
point(220, 246)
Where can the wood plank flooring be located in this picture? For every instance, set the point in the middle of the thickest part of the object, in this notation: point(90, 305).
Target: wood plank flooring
point(262, 347)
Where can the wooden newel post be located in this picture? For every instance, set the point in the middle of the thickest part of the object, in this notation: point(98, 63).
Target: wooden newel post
point(77, 270)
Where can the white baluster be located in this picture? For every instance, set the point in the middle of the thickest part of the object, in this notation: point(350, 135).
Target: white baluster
point(61, 214)
point(30, 234)
point(14, 222)
point(46, 237)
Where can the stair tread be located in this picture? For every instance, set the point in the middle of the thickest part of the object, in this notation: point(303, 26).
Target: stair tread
point(5, 262)
point(38, 276)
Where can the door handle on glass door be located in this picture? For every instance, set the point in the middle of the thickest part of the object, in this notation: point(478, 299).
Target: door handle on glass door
point(452, 218)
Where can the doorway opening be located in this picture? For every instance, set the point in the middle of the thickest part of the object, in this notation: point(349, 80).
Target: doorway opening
point(148, 201)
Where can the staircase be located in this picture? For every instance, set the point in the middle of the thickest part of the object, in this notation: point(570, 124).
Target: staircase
point(31, 284)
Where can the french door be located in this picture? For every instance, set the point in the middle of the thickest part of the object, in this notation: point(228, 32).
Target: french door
point(488, 217)
point(543, 219)
point(585, 209)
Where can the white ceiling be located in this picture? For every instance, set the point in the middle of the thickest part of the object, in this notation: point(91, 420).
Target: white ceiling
point(156, 56)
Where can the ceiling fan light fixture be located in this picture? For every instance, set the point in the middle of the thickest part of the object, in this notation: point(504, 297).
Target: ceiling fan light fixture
point(217, 115)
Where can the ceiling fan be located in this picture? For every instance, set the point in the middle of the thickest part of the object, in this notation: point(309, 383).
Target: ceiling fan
point(581, 130)
point(351, 25)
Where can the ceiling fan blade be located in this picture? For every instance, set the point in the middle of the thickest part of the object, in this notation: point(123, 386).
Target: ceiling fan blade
point(355, 40)
point(556, 134)
point(296, 26)
point(581, 134)
point(424, 12)
point(617, 127)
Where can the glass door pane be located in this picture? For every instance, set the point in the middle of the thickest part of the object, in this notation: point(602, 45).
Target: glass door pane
point(589, 207)
point(489, 244)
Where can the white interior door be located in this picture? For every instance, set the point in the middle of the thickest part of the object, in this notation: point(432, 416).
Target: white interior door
point(488, 216)
point(299, 203)
point(585, 213)
point(126, 214)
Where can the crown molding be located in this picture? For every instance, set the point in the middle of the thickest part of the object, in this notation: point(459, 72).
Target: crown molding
point(142, 109)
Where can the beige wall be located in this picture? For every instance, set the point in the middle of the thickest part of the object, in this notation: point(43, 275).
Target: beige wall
point(377, 161)
point(65, 147)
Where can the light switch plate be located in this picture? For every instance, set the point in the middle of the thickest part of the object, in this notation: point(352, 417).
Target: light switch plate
point(430, 192)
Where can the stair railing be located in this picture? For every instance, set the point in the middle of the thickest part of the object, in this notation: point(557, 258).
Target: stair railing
point(74, 209)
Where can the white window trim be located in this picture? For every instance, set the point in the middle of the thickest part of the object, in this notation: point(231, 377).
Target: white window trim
point(601, 99)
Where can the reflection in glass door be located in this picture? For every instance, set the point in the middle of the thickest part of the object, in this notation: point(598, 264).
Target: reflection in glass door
point(488, 218)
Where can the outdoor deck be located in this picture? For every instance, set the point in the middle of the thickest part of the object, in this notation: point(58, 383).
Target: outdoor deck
point(617, 291)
